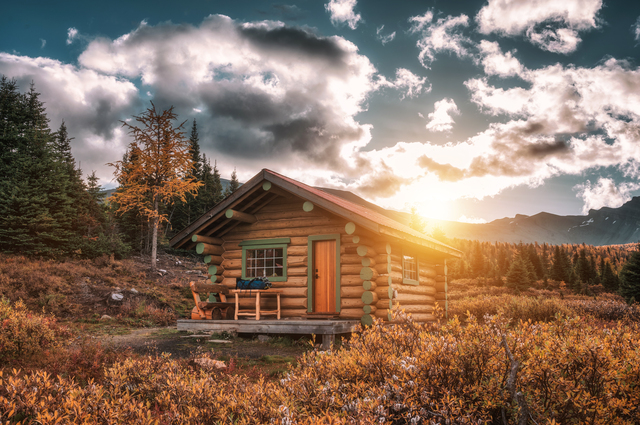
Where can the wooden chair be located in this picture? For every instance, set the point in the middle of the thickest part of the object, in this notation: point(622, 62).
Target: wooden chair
point(211, 310)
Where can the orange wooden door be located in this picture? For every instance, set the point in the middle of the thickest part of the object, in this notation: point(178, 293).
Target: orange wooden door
point(324, 276)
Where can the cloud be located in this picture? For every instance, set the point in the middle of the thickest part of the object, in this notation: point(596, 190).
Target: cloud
point(342, 12)
point(636, 29)
point(440, 119)
point(497, 63)
point(288, 12)
point(43, 43)
point(91, 104)
point(604, 193)
point(440, 36)
point(72, 34)
point(410, 83)
point(550, 24)
point(473, 220)
point(271, 94)
point(384, 39)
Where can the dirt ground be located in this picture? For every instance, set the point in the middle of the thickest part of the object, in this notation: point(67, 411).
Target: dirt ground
point(186, 345)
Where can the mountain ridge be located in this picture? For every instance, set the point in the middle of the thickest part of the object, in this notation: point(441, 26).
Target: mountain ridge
point(605, 226)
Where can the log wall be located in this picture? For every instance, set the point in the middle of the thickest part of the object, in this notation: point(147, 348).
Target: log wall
point(371, 278)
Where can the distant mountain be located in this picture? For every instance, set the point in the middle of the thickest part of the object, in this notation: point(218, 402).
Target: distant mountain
point(606, 226)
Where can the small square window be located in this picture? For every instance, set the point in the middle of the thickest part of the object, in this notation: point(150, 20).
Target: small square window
point(262, 262)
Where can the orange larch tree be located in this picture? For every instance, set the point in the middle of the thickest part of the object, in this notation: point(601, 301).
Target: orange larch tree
point(158, 169)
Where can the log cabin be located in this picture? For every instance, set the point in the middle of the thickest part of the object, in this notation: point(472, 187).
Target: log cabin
point(331, 258)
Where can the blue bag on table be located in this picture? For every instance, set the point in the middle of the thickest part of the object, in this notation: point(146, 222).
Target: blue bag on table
point(255, 283)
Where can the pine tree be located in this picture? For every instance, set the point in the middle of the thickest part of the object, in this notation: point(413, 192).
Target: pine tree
point(630, 279)
point(161, 171)
point(416, 222)
point(518, 276)
point(609, 278)
point(234, 184)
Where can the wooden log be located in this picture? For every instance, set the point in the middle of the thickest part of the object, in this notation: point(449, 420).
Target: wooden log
point(384, 292)
point(440, 269)
point(362, 240)
point(441, 296)
point(213, 259)
point(207, 239)
point(415, 289)
point(350, 280)
point(382, 248)
point(440, 278)
point(382, 258)
point(292, 291)
point(369, 309)
point(232, 273)
point(240, 216)
point(418, 317)
point(291, 223)
point(297, 251)
point(383, 268)
point(282, 215)
point(215, 270)
point(298, 312)
point(215, 279)
point(350, 228)
point(296, 271)
point(350, 269)
point(232, 255)
point(366, 319)
point(384, 280)
point(441, 287)
point(351, 313)
point(351, 292)
point(307, 206)
point(395, 267)
point(297, 259)
point(349, 249)
point(206, 249)
point(351, 303)
point(383, 314)
point(232, 264)
point(350, 259)
point(369, 285)
point(427, 281)
point(391, 278)
point(367, 273)
point(414, 299)
point(417, 308)
point(368, 262)
point(297, 263)
point(365, 251)
point(384, 304)
point(284, 233)
point(428, 273)
point(369, 297)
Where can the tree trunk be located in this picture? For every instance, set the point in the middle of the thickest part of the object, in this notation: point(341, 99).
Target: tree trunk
point(154, 239)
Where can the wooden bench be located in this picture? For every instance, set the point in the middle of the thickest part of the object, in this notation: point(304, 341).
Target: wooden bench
point(211, 310)
point(256, 293)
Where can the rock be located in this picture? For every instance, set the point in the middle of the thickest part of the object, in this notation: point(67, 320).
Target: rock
point(134, 291)
point(117, 297)
point(263, 338)
point(106, 317)
point(210, 363)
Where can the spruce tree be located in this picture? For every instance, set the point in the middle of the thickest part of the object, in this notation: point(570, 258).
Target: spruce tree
point(234, 184)
point(518, 277)
point(630, 279)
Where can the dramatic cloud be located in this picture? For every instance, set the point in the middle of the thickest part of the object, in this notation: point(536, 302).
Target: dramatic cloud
point(440, 119)
point(72, 33)
point(497, 63)
point(605, 193)
point(91, 105)
point(442, 35)
point(342, 12)
point(384, 39)
point(552, 25)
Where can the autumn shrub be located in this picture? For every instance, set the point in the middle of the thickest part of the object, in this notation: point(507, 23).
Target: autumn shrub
point(140, 313)
point(511, 306)
point(571, 371)
point(24, 334)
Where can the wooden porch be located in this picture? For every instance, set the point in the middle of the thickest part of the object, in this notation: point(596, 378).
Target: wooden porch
point(328, 329)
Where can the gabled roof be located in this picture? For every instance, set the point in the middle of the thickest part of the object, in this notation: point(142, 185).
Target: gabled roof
point(362, 216)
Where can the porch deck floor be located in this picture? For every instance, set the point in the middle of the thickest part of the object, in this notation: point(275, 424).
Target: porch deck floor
point(282, 326)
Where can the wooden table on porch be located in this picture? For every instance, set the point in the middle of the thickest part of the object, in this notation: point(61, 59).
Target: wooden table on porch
point(256, 293)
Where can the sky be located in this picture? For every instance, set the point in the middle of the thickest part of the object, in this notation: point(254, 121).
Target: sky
point(463, 110)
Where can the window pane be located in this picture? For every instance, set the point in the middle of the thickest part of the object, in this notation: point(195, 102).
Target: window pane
point(410, 267)
point(264, 262)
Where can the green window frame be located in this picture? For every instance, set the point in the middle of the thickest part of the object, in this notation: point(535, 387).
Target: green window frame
point(265, 245)
point(410, 269)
